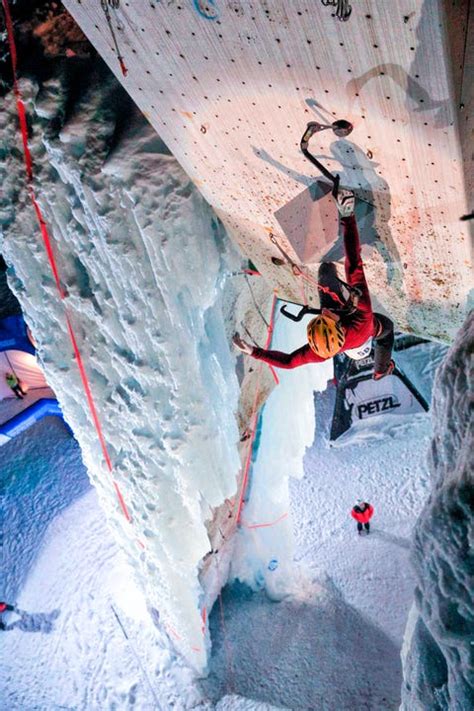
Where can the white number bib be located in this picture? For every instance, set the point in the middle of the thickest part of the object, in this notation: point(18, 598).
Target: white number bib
point(361, 351)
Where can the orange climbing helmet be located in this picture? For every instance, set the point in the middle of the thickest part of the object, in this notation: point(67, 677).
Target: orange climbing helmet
point(325, 336)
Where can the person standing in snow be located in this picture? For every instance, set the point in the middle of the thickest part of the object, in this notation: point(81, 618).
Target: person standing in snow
point(331, 332)
point(15, 385)
point(4, 607)
point(362, 512)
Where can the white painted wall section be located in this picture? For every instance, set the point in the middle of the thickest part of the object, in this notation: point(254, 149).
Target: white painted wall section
point(230, 86)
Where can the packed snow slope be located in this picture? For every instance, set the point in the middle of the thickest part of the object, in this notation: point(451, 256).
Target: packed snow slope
point(83, 636)
point(438, 655)
point(230, 87)
point(327, 632)
point(143, 260)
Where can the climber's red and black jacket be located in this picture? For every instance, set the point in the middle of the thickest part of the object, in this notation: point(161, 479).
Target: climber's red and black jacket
point(362, 516)
point(359, 325)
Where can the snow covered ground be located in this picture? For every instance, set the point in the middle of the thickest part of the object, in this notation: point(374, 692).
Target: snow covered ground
point(338, 627)
point(72, 585)
point(334, 641)
point(81, 637)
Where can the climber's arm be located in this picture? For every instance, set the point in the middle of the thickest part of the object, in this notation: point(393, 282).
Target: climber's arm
point(353, 264)
point(278, 359)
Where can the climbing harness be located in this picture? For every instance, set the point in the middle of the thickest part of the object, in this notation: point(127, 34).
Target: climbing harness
point(343, 9)
point(346, 308)
point(305, 310)
point(347, 305)
point(114, 4)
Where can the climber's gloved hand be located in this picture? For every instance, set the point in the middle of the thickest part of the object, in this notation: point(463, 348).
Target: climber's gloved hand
point(388, 371)
point(242, 345)
point(345, 201)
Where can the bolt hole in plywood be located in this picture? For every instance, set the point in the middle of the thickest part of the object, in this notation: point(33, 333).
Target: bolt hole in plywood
point(287, 53)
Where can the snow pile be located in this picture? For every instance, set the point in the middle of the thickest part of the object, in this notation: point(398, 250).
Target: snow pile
point(340, 631)
point(81, 637)
point(142, 259)
point(438, 649)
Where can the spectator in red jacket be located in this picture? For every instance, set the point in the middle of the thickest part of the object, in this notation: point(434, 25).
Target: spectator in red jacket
point(332, 333)
point(362, 512)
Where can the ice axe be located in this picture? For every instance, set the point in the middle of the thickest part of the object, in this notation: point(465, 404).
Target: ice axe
point(341, 129)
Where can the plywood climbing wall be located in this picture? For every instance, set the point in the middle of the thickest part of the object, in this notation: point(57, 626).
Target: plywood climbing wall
point(230, 85)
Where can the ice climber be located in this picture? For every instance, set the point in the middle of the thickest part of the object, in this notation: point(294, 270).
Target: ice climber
point(336, 331)
point(362, 512)
point(15, 385)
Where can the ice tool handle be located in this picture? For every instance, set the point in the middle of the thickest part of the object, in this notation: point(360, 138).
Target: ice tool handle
point(302, 312)
point(341, 129)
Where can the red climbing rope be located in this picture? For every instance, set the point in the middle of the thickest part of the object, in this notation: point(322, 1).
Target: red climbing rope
point(325, 289)
point(254, 417)
point(265, 525)
point(50, 252)
point(298, 272)
point(270, 336)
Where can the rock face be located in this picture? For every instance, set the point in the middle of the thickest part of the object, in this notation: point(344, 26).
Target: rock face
point(439, 659)
point(143, 261)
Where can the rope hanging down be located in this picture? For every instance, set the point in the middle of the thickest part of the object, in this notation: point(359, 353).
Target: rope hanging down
point(49, 250)
point(253, 420)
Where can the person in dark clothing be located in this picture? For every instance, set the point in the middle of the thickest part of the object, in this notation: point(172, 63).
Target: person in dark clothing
point(15, 385)
point(4, 607)
point(331, 333)
point(362, 512)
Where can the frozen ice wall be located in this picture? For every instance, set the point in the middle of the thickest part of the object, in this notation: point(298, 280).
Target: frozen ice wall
point(438, 656)
point(143, 260)
point(265, 545)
